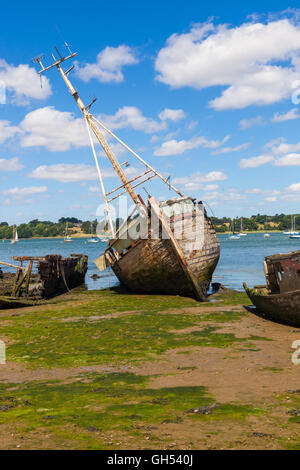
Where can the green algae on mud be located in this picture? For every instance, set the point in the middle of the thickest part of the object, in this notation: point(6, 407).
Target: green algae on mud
point(104, 327)
point(117, 402)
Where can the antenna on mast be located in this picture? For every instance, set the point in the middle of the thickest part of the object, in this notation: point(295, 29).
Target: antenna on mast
point(56, 62)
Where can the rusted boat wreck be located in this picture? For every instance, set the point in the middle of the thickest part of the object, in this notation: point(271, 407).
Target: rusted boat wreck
point(52, 275)
point(167, 247)
point(279, 299)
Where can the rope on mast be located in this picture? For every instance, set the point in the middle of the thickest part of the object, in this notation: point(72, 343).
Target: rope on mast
point(100, 177)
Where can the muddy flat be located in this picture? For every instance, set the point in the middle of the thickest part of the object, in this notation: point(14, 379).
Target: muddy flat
point(104, 370)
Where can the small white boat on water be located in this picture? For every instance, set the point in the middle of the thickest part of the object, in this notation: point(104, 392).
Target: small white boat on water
point(93, 239)
point(293, 228)
point(15, 237)
point(67, 238)
point(234, 235)
point(267, 235)
point(242, 234)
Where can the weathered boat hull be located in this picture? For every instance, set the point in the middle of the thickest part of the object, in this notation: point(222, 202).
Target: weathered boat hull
point(59, 274)
point(174, 266)
point(283, 308)
point(7, 302)
point(55, 275)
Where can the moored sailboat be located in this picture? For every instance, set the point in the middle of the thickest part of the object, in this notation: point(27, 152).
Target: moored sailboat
point(92, 239)
point(242, 234)
point(15, 237)
point(67, 238)
point(293, 228)
point(233, 236)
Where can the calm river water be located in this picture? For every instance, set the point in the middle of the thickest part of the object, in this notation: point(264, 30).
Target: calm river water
point(241, 260)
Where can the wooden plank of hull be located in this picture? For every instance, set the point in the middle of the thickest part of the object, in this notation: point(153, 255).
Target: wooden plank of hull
point(284, 308)
point(202, 261)
point(151, 266)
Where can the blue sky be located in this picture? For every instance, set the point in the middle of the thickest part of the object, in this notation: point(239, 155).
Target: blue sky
point(204, 92)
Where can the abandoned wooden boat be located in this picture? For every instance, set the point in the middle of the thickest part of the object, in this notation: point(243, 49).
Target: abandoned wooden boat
point(279, 299)
point(178, 263)
point(7, 302)
point(179, 254)
point(53, 275)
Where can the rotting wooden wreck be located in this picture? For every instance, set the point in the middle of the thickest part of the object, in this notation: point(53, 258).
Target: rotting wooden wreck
point(170, 265)
point(279, 299)
point(162, 260)
point(53, 275)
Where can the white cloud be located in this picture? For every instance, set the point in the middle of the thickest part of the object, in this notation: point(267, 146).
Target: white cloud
point(177, 147)
point(247, 123)
point(291, 159)
point(196, 180)
point(291, 114)
point(20, 194)
point(23, 82)
point(172, 114)
point(69, 173)
point(130, 116)
point(232, 149)
point(229, 195)
point(211, 187)
point(94, 189)
point(241, 58)
point(282, 153)
point(254, 162)
point(266, 192)
point(53, 129)
point(272, 143)
point(284, 148)
point(254, 191)
point(13, 164)
point(108, 65)
point(271, 199)
point(116, 148)
point(7, 131)
point(294, 187)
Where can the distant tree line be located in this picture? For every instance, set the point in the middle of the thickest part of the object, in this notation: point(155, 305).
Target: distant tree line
point(257, 222)
point(46, 228)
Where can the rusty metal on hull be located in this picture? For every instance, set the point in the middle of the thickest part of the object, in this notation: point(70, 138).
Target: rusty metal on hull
point(170, 265)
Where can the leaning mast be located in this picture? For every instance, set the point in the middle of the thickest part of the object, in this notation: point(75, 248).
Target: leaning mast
point(91, 121)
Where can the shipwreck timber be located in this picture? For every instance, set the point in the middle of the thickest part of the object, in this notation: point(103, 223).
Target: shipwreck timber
point(279, 299)
point(168, 262)
point(53, 275)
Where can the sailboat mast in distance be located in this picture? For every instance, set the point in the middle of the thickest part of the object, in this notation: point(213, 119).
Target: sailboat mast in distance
point(15, 237)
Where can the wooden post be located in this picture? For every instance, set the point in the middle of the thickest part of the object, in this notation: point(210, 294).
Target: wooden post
point(28, 275)
point(19, 281)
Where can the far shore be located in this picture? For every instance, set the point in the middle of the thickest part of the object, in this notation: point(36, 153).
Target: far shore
point(86, 235)
point(60, 237)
